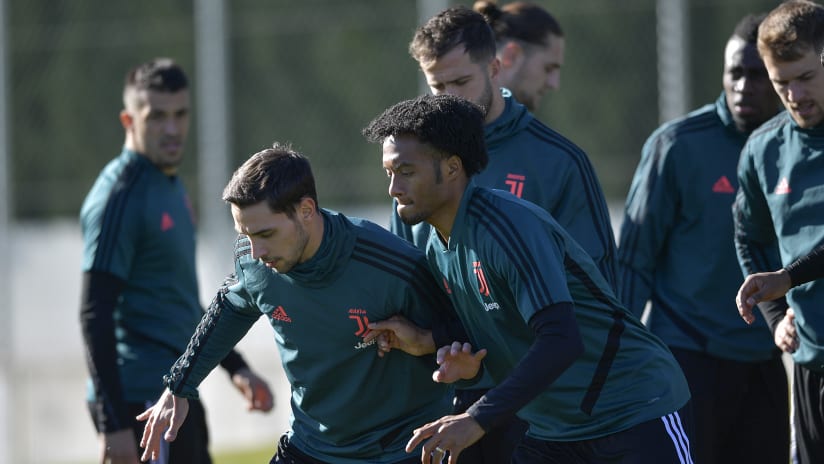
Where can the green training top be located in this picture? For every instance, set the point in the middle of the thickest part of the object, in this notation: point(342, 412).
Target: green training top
point(508, 259)
point(533, 162)
point(780, 217)
point(138, 225)
point(348, 404)
point(677, 248)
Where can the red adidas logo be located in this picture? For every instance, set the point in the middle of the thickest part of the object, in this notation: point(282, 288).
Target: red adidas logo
point(783, 187)
point(166, 222)
point(723, 185)
point(279, 314)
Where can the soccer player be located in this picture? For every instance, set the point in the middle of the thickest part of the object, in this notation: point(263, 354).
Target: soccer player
point(140, 296)
point(318, 278)
point(456, 52)
point(530, 48)
point(780, 204)
point(766, 286)
point(564, 355)
point(677, 253)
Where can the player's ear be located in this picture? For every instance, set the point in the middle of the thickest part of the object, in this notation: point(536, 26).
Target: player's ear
point(494, 68)
point(454, 166)
point(126, 119)
point(510, 54)
point(306, 208)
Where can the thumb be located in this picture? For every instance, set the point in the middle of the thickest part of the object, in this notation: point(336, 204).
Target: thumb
point(382, 325)
point(481, 354)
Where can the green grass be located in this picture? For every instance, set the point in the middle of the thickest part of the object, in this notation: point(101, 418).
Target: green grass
point(250, 456)
point(254, 456)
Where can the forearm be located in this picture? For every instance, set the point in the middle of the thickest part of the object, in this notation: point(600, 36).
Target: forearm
point(220, 329)
point(807, 268)
point(773, 311)
point(753, 257)
point(99, 296)
point(557, 345)
point(233, 362)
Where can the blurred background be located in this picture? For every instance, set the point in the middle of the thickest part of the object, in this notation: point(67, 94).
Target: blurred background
point(309, 72)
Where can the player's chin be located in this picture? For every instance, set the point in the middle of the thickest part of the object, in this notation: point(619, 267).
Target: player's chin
point(412, 219)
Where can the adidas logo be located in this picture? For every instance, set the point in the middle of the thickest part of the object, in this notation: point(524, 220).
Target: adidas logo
point(279, 314)
point(166, 222)
point(783, 187)
point(723, 185)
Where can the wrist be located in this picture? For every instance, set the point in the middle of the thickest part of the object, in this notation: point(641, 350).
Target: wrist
point(787, 276)
point(424, 343)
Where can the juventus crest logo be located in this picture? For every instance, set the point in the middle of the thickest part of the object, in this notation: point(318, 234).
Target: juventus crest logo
point(483, 288)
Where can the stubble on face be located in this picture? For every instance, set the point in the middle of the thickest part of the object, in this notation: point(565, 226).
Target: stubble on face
point(539, 72)
point(284, 239)
point(800, 84)
point(284, 264)
point(455, 73)
point(160, 127)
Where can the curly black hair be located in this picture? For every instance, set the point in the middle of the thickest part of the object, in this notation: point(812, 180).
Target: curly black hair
point(449, 124)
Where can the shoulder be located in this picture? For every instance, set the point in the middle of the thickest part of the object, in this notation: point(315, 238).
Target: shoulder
point(496, 214)
point(772, 129)
point(504, 229)
point(120, 183)
point(543, 134)
point(376, 246)
point(700, 120)
point(772, 132)
point(681, 139)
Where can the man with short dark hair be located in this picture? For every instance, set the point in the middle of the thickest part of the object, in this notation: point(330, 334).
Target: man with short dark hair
point(677, 253)
point(318, 278)
point(456, 52)
point(530, 47)
point(563, 354)
point(140, 296)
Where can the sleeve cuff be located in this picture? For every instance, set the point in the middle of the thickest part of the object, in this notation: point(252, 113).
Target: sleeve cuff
point(233, 362)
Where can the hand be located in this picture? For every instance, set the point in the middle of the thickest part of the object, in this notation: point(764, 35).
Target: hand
point(167, 414)
point(118, 447)
point(449, 433)
point(760, 287)
point(256, 391)
point(400, 333)
point(457, 362)
point(785, 336)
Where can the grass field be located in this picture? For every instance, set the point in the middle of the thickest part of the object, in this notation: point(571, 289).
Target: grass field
point(257, 456)
point(251, 456)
